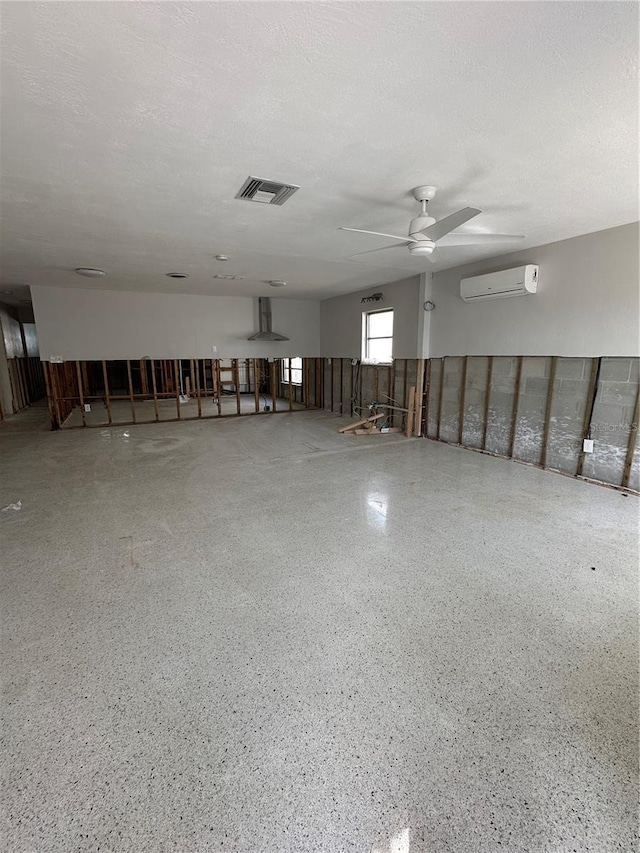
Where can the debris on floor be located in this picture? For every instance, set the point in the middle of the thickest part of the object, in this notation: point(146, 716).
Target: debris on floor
point(17, 506)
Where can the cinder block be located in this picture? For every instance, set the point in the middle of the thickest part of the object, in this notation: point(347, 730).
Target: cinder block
point(504, 365)
point(533, 365)
point(615, 369)
point(572, 388)
point(571, 368)
point(536, 387)
point(618, 392)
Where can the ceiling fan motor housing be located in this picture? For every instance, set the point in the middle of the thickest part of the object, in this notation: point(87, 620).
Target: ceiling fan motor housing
point(422, 247)
point(419, 223)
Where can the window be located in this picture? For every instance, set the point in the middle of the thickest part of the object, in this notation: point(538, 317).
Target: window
point(295, 366)
point(377, 336)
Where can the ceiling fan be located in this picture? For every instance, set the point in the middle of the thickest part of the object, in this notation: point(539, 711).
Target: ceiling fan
point(425, 231)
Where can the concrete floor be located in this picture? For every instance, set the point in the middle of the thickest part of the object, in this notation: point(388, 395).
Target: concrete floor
point(258, 635)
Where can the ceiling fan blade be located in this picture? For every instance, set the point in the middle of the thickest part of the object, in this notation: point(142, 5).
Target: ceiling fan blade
point(381, 249)
point(478, 239)
point(443, 226)
point(379, 234)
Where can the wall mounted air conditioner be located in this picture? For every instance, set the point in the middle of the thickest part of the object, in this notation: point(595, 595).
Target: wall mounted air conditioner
point(496, 285)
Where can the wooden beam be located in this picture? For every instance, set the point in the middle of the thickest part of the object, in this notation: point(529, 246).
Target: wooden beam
point(440, 392)
point(272, 382)
point(361, 422)
point(81, 393)
point(487, 398)
point(133, 405)
point(107, 402)
point(514, 408)
point(631, 447)
point(331, 364)
point(197, 372)
point(586, 423)
point(176, 377)
point(155, 390)
point(341, 384)
point(461, 398)
point(49, 390)
point(256, 386)
point(419, 397)
point(410, 411)
point(547, 413)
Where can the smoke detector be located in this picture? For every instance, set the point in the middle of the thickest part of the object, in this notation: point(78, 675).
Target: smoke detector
point(265, 191)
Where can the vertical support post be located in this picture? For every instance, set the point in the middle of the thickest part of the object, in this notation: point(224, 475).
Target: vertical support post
point(133, 405)
point(514, 410)
point(440, 393)
point(215, 371)
point(341, 384)
point(272, 378)
point(107, 401)
point(419, 396)
point(198, 398)
point(547, 412)
point(487, 401)
point(427, 399)
point(144, 380)
point(236, 382)
point(155, 390)
point(631, 447)
point(331, 365)
point(405, 401)
point(49, 389)
point(256, 386)
point(410, 411)
point(290, 389)
point(176, 376)
point(591, 394)
point(462, 393)
point(81, 394)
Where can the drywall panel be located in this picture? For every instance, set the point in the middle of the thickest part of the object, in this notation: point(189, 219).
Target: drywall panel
point(94, 324)
point(587, 302)
point(341, 319)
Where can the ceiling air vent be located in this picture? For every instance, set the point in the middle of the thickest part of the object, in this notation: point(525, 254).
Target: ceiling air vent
point(266, 192)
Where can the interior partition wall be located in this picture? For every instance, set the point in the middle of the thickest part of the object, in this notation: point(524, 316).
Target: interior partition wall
point(103, 393)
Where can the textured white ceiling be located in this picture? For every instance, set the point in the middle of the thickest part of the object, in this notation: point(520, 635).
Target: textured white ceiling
point(127, 129)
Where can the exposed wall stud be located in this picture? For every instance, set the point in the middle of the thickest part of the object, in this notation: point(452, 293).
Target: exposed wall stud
point(631, 447)
point(419, 402)
point(514, 409)
point(130, 381)
point(547, 413)
point(591, 395)
point(107, 402)
point(487, 399)
point(80, 393)
point(461, 398)
point(440, 393)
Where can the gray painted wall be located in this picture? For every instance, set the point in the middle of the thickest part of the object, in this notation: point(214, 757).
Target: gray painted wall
point(587, 302)
point(341, 319)
point(77, 323)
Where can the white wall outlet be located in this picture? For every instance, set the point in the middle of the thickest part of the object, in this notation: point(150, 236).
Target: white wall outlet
point(587, 445)
point(87, 407)
point(56, 359)
point(214, 350)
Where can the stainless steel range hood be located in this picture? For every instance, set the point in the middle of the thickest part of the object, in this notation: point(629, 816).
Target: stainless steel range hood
point(264, 323)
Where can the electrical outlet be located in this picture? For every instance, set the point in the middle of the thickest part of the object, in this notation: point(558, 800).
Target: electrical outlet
point(587, 445)
point(87, 407)
point(56, 359)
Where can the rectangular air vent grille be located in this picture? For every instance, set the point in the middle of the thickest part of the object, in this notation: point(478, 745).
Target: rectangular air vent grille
point(266, 192)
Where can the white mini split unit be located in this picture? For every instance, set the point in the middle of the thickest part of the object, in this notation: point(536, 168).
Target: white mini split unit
point(497, 285)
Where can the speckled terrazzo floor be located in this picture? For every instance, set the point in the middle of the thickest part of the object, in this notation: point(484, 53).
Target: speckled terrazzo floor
point(260, 636)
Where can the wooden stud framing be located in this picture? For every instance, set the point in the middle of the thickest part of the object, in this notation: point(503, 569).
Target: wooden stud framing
point(130, 380)
point(631, 447)
point(440, 393)
point(176, 371)
point(514, 410)
point(256, 386)
point(80, 393)
point(197, 371)
point(404, 386)
point(487, 399)
point(107, 401)
point(272, 384)
point(419, 396)
point(410, 411)
point(290, 389)
point(49, 389)
point(547, 412)
point(427, 399)
point(155, 390)
point(461, 398)
point(236, 382)
point(591, 394)
point(341, 384)
point(331, 365)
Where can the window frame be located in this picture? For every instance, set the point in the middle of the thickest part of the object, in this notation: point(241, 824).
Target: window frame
point(287, 366)
point(366, 337)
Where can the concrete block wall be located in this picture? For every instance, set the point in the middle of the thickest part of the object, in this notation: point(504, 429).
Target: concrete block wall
point(516, 428)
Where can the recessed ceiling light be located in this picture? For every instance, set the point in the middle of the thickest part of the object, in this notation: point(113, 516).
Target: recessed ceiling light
point(229, 277)
point(277, 283)
point(222, 258)
point(177, 275)
point(90, 273)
